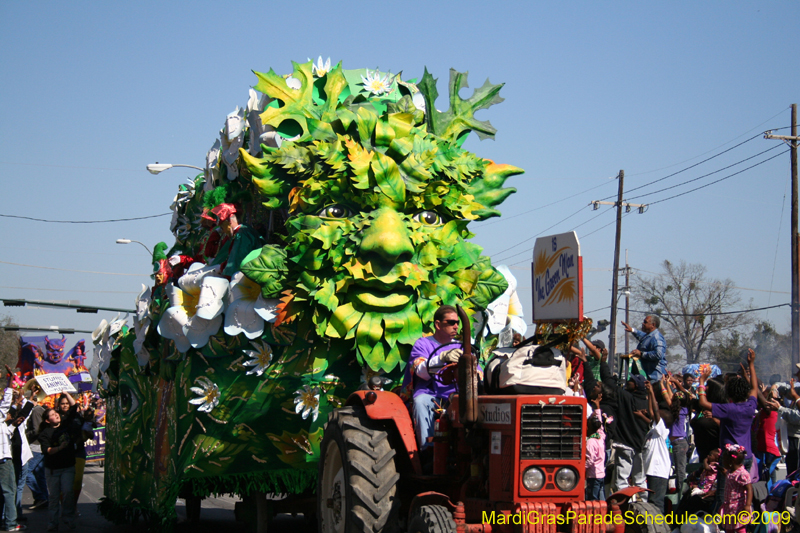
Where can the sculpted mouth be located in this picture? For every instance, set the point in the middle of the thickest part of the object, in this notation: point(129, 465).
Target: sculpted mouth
point(384, 298)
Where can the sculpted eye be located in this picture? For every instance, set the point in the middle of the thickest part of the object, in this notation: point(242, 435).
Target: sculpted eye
point(430, 218)
point(129, 402)
point(334, 211)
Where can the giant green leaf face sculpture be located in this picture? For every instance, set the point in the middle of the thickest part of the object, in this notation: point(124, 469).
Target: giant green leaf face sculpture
point(365, 198)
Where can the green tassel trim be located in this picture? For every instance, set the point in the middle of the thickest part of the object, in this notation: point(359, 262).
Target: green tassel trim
point(287, 481)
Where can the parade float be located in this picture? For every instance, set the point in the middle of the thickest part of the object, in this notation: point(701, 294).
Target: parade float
point(330, 223)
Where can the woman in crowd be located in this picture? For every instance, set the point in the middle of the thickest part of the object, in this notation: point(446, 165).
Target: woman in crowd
point(57, 437)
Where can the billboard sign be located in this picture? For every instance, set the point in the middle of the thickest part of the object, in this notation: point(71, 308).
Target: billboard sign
point(557, 272)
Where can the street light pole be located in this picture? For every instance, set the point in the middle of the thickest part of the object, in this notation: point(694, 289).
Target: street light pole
point(128, 241)
point(158, 168)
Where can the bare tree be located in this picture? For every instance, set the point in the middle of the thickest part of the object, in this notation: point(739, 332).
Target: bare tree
point(690, 306)
point(9, 346)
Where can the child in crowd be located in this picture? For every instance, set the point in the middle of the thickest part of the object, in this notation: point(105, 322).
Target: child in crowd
point(595, 453)
point(656, 458)
point(738, 489)
point(707, 478)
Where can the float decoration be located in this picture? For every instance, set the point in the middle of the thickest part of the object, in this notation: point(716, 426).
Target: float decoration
point(328, 226)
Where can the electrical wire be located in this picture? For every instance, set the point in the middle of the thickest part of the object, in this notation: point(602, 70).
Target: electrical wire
point(531, 238)
point(66, 290)
point(84, 221)
point(503, 219)
point(712, 314)
point(719, 180)
point(704, 175)
point(777, 244)
point(70, 270)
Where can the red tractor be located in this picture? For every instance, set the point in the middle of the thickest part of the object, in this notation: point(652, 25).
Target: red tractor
point(501, 463)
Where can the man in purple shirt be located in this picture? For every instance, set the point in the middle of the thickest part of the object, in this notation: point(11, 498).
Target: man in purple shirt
point(428, 354)
point(736, 416)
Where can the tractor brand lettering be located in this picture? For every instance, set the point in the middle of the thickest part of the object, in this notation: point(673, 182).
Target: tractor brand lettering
point(496, 413)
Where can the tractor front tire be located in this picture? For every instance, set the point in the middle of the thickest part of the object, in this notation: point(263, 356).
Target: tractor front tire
point(431, 519)
point(357, 490)
point(649, 525)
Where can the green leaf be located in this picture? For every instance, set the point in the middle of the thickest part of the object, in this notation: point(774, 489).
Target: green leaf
point(387, 177)
point(365, 121)
point(342, 321)
point(412, 328)
point(267, 267)
point(328, 234)
point(297, 104)
point(326, 295)
point(466, 280)
point(491, 284)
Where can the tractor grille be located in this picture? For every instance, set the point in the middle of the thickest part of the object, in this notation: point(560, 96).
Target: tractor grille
point(551, 432)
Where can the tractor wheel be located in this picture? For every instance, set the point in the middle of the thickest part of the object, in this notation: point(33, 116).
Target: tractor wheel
point(649, 525)
point(357, 476)
point(431, 519)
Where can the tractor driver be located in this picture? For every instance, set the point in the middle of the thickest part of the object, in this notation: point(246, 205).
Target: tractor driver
point(427, 355)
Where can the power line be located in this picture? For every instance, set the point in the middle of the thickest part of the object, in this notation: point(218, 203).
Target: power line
point(719, 180)
point(704, 175)
point(66, 290)
point(70, 270)
point(502, 219)
point(712, 314)
point(84, 221)
point(530, 238)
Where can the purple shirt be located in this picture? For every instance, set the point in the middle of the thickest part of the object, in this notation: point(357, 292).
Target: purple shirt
point(678, 428)
point(425, 348)
point(735, 420)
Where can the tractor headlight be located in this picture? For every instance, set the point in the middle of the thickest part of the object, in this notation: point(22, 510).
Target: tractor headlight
point(566, 479)
point(533, 479)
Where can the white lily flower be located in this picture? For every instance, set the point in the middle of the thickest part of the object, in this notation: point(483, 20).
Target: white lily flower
point(196, 305)
point(208, 394)
point(231, 139)
point(141, 323)
point(307, 402)
point(419, 101)
point(259, 133)
point(247, 309)
point(320, 69)
point(293, 83)
point(376, 84)
point(212, 167)
point(261, 358)
point(103, 338)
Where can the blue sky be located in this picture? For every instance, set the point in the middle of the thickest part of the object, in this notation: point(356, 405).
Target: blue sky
point(93, 91)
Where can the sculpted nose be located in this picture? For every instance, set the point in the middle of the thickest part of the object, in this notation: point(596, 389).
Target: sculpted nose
point(386, 240)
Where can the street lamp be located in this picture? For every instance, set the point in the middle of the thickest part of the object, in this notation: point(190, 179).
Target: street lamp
point(157, 168)
point(128, 241)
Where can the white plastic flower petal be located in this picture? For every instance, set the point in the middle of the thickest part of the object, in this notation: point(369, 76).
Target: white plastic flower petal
point(210, 300)
point(267, 308)
point(307, 402)
point(419, 101)
point(208, 394)
point(261, 357)
point(376, 84)
point(212, 167)
point(241, 316)
point(97, 334)
point(199, 330)
point(171, 327)
point(293, 83)
point(320, 69)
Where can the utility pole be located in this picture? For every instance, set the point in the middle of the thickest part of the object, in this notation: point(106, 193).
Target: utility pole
point(612, 336)
point(627, 299)
point(792, 142)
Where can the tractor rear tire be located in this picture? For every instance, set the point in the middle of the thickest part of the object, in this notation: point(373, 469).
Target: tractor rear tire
point(431, 519)
point(357, 490)
point(650, 525)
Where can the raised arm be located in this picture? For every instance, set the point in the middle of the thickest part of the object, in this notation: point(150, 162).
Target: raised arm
point(652, 404)
point(751, 362)
point(701, 389)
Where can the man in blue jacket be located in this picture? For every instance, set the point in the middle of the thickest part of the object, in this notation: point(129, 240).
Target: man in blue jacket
point(652, 348)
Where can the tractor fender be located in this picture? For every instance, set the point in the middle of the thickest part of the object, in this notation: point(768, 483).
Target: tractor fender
point(388, 406)
point(430, 498)
point(621, 497)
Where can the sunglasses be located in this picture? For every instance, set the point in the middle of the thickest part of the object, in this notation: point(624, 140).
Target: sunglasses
point(450, 322)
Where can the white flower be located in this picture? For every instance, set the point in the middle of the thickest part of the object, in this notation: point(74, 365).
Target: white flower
point(232, 138)
point(375, 84)
point(307, 402)
point(419, 101)
point(293, 83)
point(261, 358)
point(208, 394)
point(247, 309)
point(141, 323)
point(212, 167)
point(196, 305)
point(320, 69)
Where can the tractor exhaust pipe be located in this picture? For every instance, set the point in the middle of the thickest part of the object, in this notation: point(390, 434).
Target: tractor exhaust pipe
point(467, 375)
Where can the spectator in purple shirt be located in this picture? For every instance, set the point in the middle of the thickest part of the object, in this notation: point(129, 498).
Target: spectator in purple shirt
point(736, 416)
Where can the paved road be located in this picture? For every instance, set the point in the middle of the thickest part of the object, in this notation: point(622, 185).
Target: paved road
point(216, 516)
